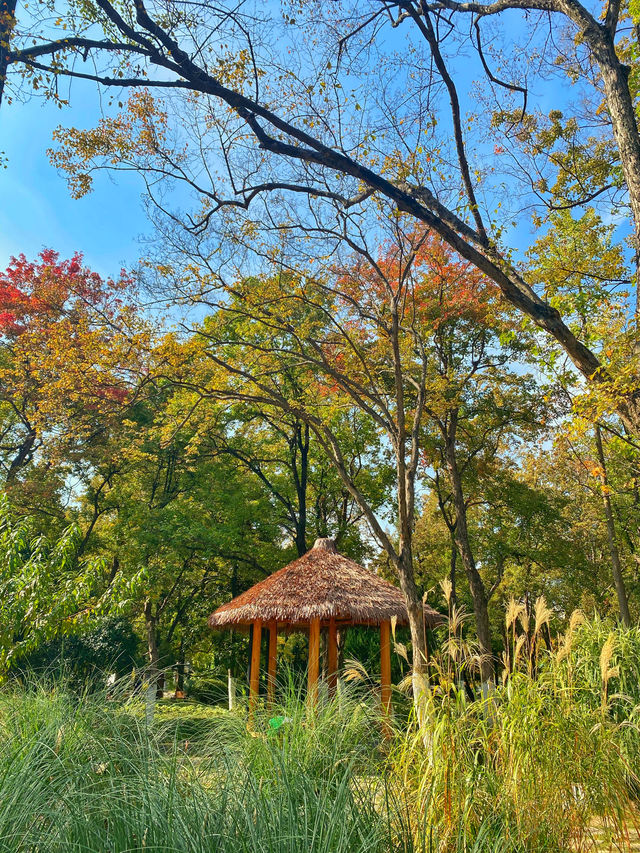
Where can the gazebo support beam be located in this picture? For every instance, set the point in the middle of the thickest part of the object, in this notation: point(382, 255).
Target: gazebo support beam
point(254, 678)
point(271, 672)
point(314, 660)
point(385, 668)
point(332, 668)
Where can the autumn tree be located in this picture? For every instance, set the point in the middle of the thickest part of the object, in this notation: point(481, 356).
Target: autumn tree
point(481, 403)
point(190, 502)
point(71, 361)
point(583, 271)
point(337, 109)
point(361, 339)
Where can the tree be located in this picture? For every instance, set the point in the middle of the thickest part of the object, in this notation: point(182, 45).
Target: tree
point(47, 590)
point(328, 125)
point(278, 449)
point(364, 340)
point(584, 273)
point(571, 564)
point(480, 402)
point(180, 528)
point(71, 363)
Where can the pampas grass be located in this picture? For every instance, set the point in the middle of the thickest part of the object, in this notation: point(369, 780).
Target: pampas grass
point(551, 753)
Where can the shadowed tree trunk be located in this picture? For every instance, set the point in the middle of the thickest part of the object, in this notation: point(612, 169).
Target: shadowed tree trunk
point(461, 534)
point(300, 450)
point(24, 452)
point(616, 567)
point(152, 649)
point(7, 22)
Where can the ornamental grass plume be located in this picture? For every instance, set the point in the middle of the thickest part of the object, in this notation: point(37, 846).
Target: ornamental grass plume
point(557, 755)
point(607, 672)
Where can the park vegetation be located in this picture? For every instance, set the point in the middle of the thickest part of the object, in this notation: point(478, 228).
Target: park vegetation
point(398, 246)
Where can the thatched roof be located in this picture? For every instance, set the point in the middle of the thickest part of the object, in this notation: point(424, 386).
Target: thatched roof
point(320, 585)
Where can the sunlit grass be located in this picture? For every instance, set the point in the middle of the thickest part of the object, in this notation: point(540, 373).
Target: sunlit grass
point(548, 763)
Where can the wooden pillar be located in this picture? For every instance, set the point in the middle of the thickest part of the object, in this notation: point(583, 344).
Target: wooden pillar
point(385, 668)
point(332, 667)
point(271, 672)
point(314, 660)
point(254, 678)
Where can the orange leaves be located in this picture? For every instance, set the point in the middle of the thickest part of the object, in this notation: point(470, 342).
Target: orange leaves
point(70, 346)
point(421, 274)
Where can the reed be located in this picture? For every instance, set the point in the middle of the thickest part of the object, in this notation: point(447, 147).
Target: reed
point(551, 754)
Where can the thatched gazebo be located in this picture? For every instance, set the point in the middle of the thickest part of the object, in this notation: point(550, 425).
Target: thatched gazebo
point(321, 589)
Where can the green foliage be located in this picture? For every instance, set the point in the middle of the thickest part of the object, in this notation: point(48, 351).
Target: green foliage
point(46, 588)
point(104, 645)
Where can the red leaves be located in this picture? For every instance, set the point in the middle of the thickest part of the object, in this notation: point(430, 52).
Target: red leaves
point(71, 339)
point(36, 294)
point(428, 279)
point(9, 324)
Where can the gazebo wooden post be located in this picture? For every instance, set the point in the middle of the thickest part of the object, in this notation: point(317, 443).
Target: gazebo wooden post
point(332, 668)
point(307, 593)
point(271, 672)
point(254, 678)
point(385, 671)
point(314, 660)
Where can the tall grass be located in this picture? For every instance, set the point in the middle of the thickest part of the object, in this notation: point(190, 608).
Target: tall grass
point(536, 766)
point(554, 749)
point(84, 774)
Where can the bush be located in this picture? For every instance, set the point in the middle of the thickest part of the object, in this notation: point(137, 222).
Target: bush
point(107, 646)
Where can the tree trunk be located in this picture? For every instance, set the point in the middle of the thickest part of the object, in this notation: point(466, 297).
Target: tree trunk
point(615, 81)
point(7, 22)
point(301, 476)
point(616, 568)
point(152, 649)
point(415, 610)
point(461, 533)
point(25, 451)
point(180, 674)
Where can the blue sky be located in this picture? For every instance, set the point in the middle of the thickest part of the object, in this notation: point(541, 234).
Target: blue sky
point(36, 210)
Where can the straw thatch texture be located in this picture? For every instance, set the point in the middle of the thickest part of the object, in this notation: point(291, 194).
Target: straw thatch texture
point(320, 585)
